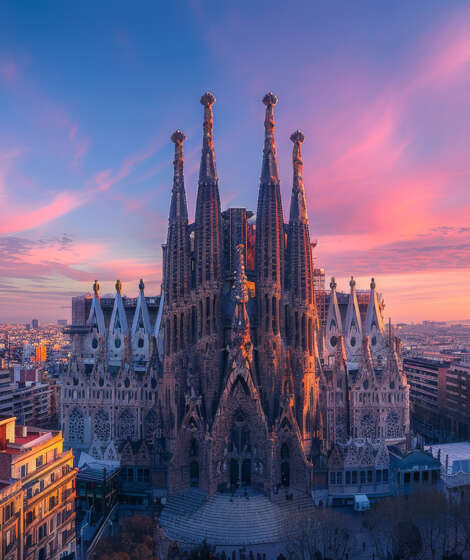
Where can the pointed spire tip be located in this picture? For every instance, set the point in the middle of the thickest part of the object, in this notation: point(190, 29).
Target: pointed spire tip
point(178, 137)
point(297, 136)
point(118, 286)
point(141, 285)
point(208, 99)
point(270, 99)
point(96, 287)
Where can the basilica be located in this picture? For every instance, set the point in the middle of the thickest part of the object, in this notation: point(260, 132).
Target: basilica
point(229, 378)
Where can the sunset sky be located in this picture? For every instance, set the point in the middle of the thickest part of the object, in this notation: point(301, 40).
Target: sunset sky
point(90, 93)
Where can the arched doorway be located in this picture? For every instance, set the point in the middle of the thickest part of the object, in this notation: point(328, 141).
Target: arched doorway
point(234, 473)
point(285, 465)
point(246, 472)
point(240, 452)
point(194, 473)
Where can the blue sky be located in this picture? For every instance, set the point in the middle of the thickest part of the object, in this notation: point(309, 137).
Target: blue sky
point(91, 92)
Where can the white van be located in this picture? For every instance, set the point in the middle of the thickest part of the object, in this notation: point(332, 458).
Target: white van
point(361, 502)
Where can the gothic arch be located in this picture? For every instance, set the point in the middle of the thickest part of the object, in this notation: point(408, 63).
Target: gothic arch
point(150, 425)
point(76, 426)
point(101, 425)
point(126, 425)
point(392, 425)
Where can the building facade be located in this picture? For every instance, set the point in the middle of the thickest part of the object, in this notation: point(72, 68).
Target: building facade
point(37, 494)
point(229, 377)
point(439, 397)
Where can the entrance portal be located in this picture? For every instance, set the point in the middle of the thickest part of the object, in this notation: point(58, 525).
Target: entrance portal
point(234, 473)
point(246, 472)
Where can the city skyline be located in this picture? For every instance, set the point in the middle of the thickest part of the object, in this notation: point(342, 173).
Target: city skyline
point(86, 157)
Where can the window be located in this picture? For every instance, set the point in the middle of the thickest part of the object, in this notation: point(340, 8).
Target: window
point(8, 511)
point(29, 517)
point(339, 478)
point(24, 470)
point(348, 477)
point(378, 476)
point(354, 477)
point(363, 477)
point(332, 478)
point(39, 461)
point(385, 475)
point(51, 525)
point(369, 476)
point(42, 531)
point(416, 476)
point(425, 476)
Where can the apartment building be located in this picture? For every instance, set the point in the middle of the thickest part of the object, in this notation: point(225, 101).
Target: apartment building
point(11, 502)
point(457, 400)
point(439, 397)
point(37, 496)
point(427, 380)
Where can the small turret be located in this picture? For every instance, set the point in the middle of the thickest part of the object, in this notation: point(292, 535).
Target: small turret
point(334, 327)
point(353, 325)
point(141, 331)
point(374, 327)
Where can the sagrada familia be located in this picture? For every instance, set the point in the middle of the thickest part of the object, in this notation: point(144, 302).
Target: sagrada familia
point(228, 378)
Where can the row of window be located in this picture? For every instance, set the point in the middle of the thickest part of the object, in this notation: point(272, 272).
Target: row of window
point(418, 476)
point(130, 474)
point(359, 477)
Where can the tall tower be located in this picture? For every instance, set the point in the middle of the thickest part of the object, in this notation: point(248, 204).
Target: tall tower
point(208, 266)
point(208, 228)
point(299, 308)
point(269, 263)
point(177, 282)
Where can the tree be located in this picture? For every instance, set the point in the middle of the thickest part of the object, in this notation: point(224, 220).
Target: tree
point(135, 541)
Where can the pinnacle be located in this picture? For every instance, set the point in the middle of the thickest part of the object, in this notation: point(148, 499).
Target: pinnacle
point(297, 136)
point(178, 137)
point(207, 99)
point(269, 99)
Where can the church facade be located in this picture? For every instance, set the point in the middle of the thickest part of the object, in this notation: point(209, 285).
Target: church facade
point(227, 378)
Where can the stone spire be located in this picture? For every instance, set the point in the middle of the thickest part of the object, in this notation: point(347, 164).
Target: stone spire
point(374, 327)
point(270, 244)
point(353, 325)
point(299, 251)
point(177, 255)
point(269, 172)
point(178, 207)
point(334, 327)
point(240, 321)
point(208, 171)
point(208, 228)
point(96, 317)
point(298, 205)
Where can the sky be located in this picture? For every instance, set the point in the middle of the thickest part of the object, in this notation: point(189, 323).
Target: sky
point(90, 93)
